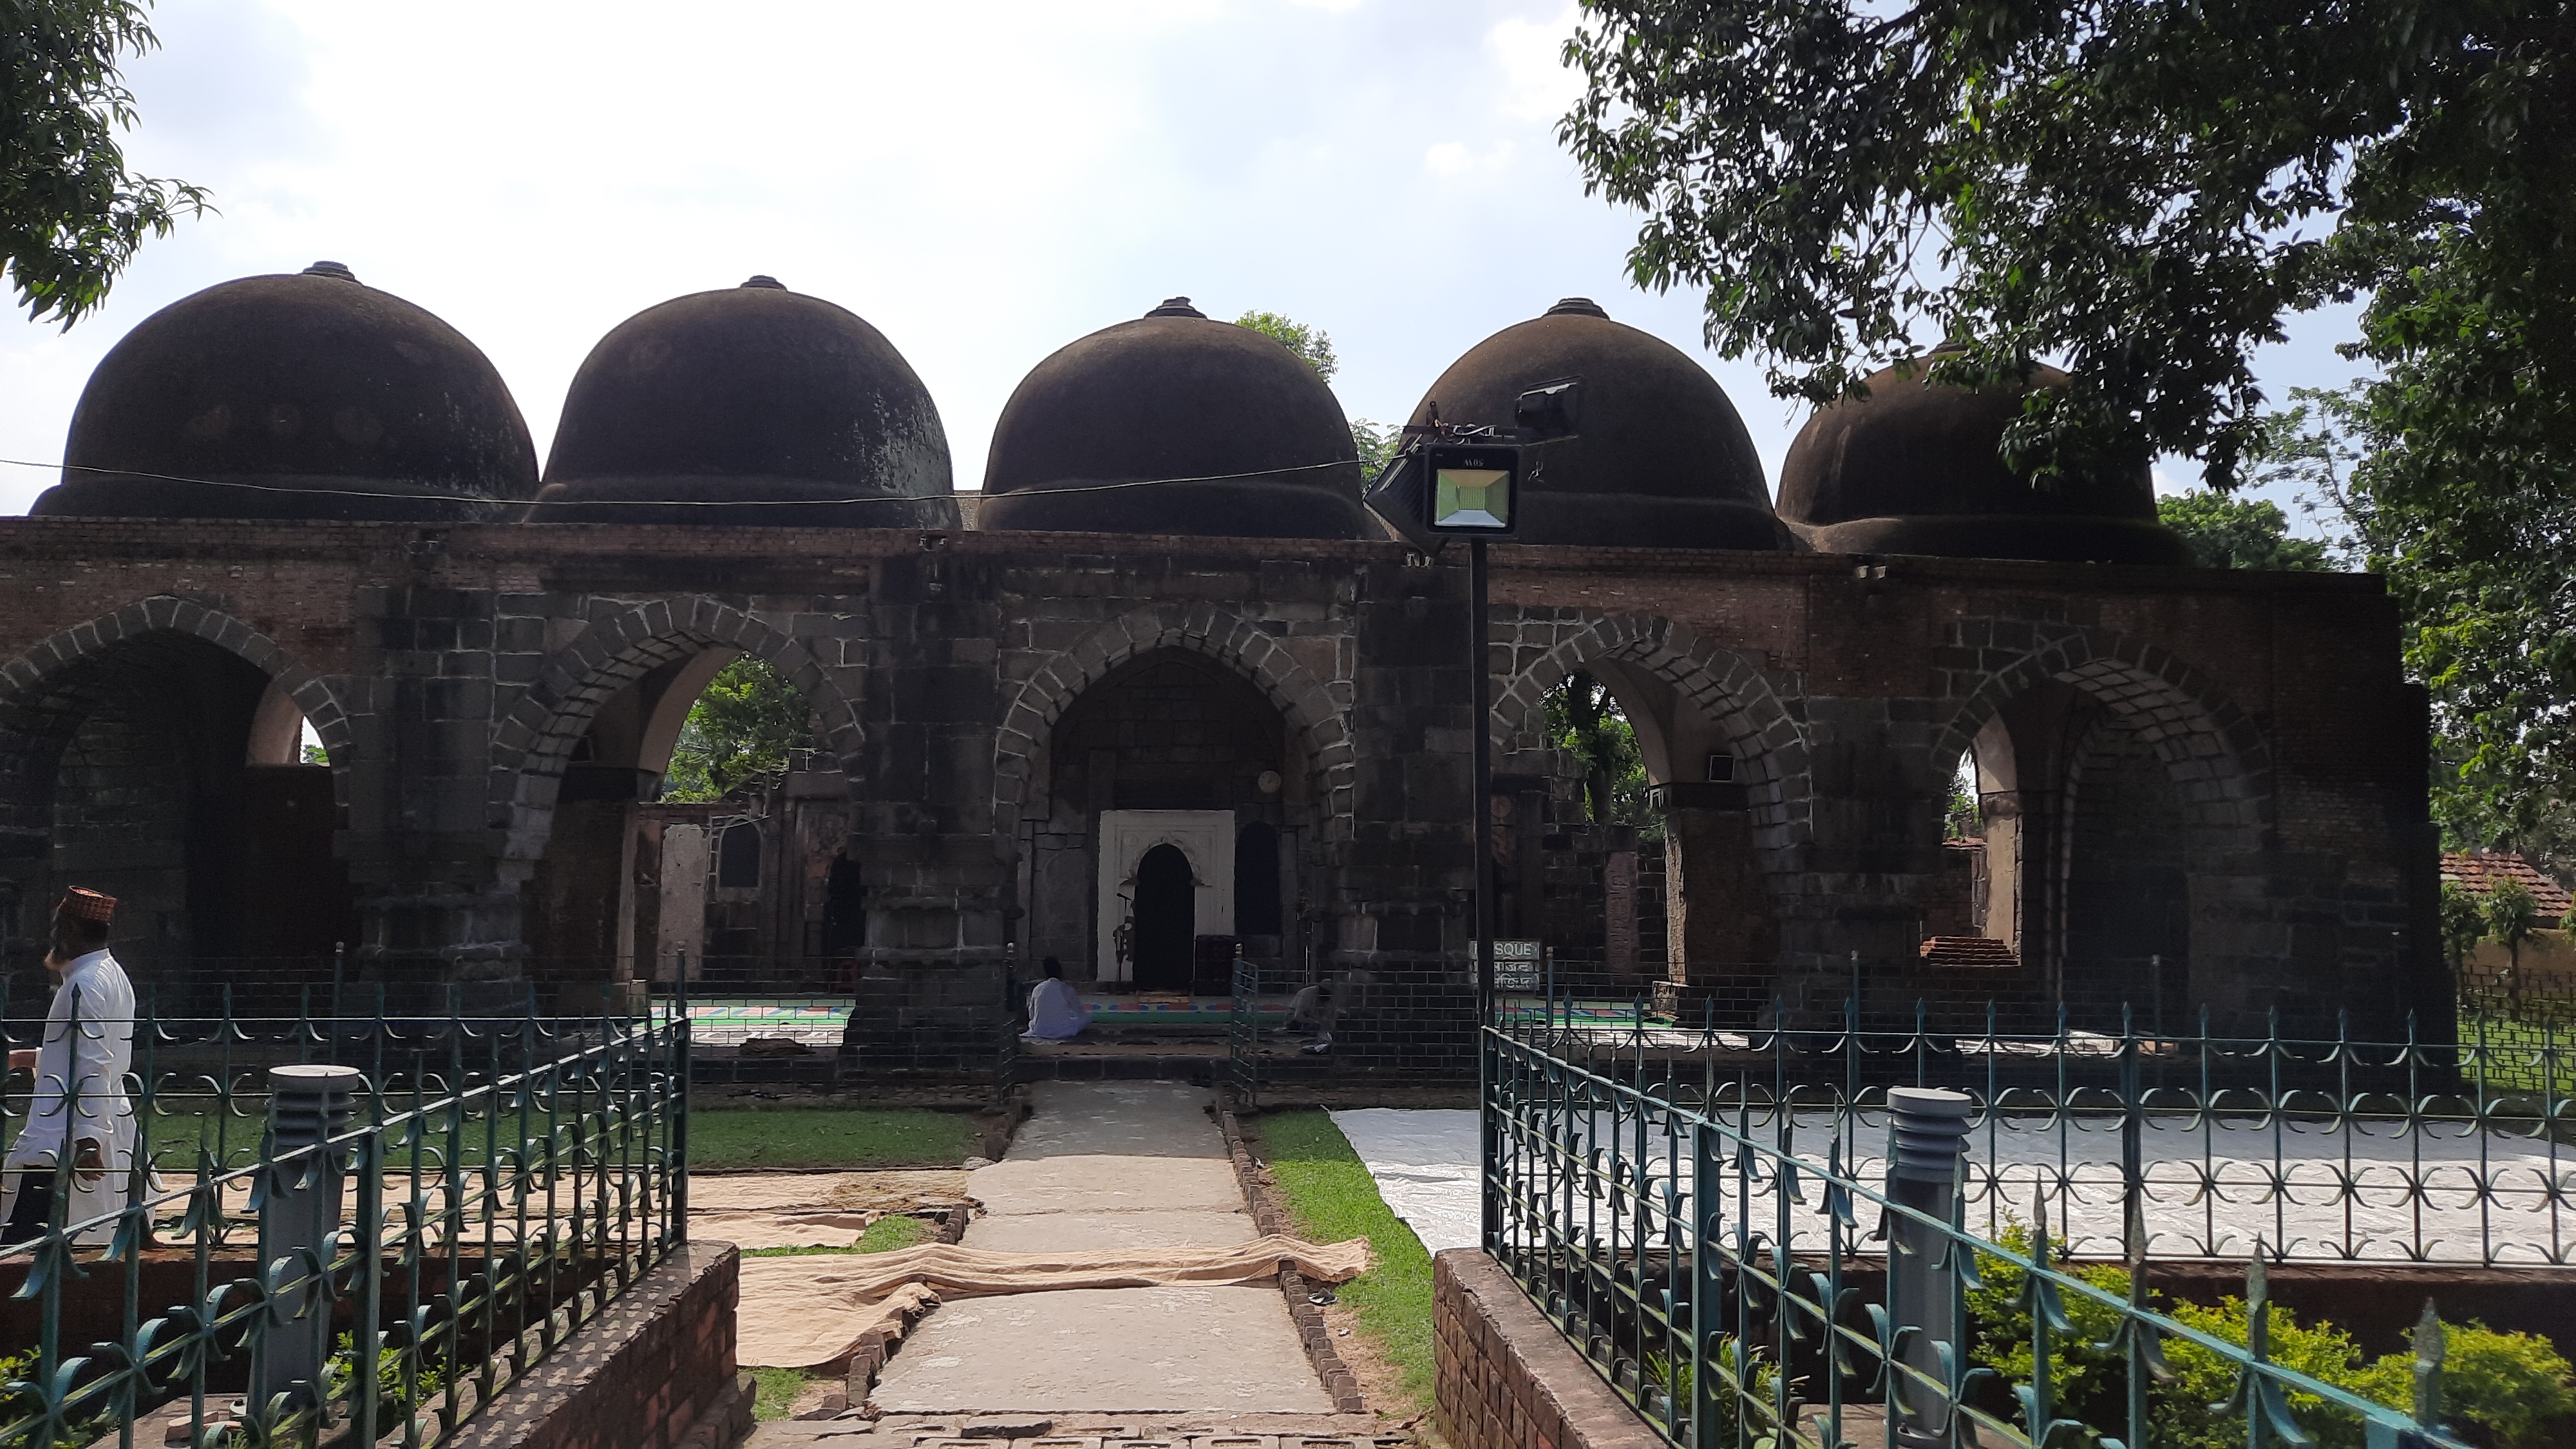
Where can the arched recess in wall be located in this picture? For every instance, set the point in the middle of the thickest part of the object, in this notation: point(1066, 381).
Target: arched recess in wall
point(1733, 767)
point(2116, 790)
point(1309, 706)
point(127, 765)
point(1653, 664)
point(620, 883)
point(1181, 719)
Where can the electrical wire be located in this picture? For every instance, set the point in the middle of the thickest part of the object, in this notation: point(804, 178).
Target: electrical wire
point(663, 502)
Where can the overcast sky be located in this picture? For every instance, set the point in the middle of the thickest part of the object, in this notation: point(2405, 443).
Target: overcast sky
point(983, 182)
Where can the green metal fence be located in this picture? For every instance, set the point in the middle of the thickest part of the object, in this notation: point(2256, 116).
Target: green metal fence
point(1692, 1246)
point(340, 1228)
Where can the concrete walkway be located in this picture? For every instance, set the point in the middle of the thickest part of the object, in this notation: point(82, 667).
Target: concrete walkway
point(1110, 1165)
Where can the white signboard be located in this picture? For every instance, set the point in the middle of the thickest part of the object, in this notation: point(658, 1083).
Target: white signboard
point(1516, 965)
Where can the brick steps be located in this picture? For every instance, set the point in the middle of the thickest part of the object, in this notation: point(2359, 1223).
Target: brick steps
point(1981, 953)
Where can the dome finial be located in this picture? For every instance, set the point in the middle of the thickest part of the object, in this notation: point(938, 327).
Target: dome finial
point(1578, 307)
point(1177, 307)
point(339, 270)
point(766, 282)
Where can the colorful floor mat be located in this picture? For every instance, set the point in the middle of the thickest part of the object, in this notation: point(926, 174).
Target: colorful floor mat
point(725, 1021)
point(731, 1021)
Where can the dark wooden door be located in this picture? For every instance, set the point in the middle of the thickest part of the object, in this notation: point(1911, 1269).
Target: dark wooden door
point(1166, 919)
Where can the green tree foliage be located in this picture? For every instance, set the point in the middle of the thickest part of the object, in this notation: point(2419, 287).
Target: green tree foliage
point(1311, 343)
point(743, 725)
point(71, 214)
point(2512, 1390)
point(1585, 720)
point(2143, 190)
point(2238, 533)
point(2456, 472)
point(1377, 445)
point(2464, 922)
point(1962, 820)
point(2511, 917)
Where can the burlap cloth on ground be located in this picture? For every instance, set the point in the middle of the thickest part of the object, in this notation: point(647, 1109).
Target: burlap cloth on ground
point(902, 1191)
point(815, 1311)
point(814, 1209)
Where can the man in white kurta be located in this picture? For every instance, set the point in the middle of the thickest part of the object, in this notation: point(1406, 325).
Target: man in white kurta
point(78, 1112)
point(1056, 1010)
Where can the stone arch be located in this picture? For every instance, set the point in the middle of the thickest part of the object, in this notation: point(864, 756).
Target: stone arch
point(1727, 688)
point(2216, 753)
point(48, 688)
point(622, 643)
point(1314, 712)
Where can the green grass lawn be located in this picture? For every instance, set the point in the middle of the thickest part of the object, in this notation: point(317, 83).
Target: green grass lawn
point(830, 1137)
point(1332, 1197)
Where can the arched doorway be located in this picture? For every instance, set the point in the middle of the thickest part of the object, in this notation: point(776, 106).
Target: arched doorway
point(1166, 920)
point(166, 771)
point(694, 820)
point(1171, 748)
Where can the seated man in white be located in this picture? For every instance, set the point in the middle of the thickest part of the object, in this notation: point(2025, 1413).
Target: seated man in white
point(1056, 1010)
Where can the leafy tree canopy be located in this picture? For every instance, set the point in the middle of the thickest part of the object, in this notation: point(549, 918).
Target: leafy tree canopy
point(2143, 191)
point(2140, 189)
point(2238, 533)
point(71, 214)
point(745, 724)
point(1585, 720)
point(1311, 343)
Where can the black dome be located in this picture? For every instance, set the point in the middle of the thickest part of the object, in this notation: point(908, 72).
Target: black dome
point(1175, 396)
point(781, 407)
point(1664, 461)
point(294, 397)
point(1917, 468)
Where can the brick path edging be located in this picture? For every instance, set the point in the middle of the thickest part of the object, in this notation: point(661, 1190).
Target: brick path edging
point(1269, 1215)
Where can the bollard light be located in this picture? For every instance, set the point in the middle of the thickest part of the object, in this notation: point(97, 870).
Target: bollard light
point(299, 1212)
point(1930, 1131)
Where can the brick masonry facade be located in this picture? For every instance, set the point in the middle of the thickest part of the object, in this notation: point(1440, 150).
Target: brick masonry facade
point(657, 1364)
point(1506, 1379)
point(455, 673)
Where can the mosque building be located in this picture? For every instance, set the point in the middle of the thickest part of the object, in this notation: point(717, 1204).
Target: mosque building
point(1165, 684)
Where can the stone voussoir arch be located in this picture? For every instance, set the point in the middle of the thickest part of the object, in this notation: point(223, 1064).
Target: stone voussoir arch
point(1728, 688)
point(621, 642)
point(2217, 753)
point(1308, 703)
point(34, 678)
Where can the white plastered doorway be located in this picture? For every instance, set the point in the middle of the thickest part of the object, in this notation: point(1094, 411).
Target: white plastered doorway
point(1205, 837)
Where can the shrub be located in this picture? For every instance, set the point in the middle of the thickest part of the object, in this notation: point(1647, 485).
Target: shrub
point(2502, 1390)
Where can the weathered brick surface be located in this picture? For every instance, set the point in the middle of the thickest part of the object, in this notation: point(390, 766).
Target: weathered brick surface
point(453, 673)
point(1505, 1378)
point(639, 1376)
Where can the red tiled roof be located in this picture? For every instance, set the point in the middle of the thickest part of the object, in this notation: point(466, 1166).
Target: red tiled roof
point(2482, 872)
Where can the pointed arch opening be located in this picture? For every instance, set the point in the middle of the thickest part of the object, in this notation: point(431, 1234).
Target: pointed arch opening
point(165, 769)
point(682, 806)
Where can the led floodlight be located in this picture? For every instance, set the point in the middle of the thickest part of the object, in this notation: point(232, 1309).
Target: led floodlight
point(1472, 489)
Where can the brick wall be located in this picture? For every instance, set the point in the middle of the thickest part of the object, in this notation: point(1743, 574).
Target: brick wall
point(453, 672)
point(640, 1375)
point(1506, 1378)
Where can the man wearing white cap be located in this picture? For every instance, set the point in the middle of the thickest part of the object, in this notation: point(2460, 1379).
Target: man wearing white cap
point(79, 1109)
